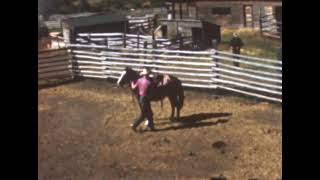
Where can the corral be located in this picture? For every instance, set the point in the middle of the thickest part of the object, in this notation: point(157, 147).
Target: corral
point(84, 133)
point(84, 130)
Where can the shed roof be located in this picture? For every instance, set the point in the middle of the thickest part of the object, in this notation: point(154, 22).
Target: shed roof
point(94, 20)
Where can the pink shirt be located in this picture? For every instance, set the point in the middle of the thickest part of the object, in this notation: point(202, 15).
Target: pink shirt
point(143, 84)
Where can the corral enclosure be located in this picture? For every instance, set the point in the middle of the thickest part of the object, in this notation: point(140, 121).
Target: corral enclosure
point(84, 133)
point(84, 130)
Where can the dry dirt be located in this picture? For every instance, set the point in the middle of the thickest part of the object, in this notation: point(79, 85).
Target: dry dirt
point(84, 133)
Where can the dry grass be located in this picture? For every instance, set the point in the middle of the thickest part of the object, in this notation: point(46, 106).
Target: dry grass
point(254, 44)
point(84, 133)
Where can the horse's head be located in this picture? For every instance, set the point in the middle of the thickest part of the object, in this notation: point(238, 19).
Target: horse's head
point(127, 76)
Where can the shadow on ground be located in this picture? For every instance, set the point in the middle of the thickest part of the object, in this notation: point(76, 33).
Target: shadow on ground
point(194, 121)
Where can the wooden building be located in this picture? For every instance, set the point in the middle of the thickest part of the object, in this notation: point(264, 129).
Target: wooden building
point(93, 24)
point(227, 13)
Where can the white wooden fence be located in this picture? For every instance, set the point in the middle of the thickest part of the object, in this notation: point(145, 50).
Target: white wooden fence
point(145, 22)
point(258, 77)
point(128, 40)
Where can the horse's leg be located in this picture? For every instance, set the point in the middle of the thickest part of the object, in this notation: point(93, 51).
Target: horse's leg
point(176, 105)
point(172, 103)
point(178, 113)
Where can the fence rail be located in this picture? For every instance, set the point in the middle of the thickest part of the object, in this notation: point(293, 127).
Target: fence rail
point(146, 23)
point(131, 40)
point(54, 63)
point(258, 77)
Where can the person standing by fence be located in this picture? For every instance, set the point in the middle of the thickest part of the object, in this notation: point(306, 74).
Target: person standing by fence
point(143, 84)
point(236, 44)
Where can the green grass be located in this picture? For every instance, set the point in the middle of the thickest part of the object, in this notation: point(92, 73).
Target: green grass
point(254, 44)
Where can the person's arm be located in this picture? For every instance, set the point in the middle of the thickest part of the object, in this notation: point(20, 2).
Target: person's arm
point(134, 85)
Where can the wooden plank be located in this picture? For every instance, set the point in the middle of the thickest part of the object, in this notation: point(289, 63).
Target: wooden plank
point(53, 64)
point(250, 82)
point(199, 86)
point(62, 76)
point(250, 94)
point(93, 76)
point(51, 69)
point(52, 50)
point(54, 74)
point(99, 34)
point(247, 75)
point(141, 49)
point(53, 54)
point(246, 62)
point(248, 86)
point(88, 71)
point(146, 60)
point(250, 70)
point(54, 59)
point(192, 58)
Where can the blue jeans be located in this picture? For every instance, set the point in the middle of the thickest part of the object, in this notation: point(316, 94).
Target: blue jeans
point(145, 112)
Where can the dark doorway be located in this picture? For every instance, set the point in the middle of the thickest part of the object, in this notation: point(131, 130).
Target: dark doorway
point(278, 13)
point(196, 36)
point(278, 16)
point(164, 30)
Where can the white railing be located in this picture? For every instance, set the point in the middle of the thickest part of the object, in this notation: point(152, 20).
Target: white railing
point(127, 40)
point(258, 77)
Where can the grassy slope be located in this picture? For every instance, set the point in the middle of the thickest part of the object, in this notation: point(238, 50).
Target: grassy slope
point(254, 44)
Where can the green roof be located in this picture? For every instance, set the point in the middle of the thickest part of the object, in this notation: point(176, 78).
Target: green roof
point(95, 20)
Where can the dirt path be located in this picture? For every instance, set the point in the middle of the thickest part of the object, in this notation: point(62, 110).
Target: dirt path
point(84, 133)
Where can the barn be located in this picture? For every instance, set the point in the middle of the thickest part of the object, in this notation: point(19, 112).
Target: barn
point(95, 24)
point(227, 13)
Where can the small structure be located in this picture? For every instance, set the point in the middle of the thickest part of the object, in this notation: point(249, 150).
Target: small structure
point(93, 24)
point(202, 33)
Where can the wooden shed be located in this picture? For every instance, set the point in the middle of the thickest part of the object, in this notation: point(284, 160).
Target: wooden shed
point(93, 24)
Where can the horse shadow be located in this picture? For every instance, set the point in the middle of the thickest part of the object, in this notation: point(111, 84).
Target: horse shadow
point(196, 121)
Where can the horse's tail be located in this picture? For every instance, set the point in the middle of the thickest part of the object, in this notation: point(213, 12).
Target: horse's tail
point(180, 95)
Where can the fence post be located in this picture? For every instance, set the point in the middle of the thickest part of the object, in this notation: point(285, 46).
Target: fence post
point(214, 70)
point(124, 36)
point(260, 22)
point(154, 46)
point(145, 44)
point(124, 39)
point(106, 42)
point(69, 49)
point(89, 39)
point(138, 38)
point(149, 24)
point(104, 66)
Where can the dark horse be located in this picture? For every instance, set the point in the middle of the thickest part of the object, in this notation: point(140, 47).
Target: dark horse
point(173, 89)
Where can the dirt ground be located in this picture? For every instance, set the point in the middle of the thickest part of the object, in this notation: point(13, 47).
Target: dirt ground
point(84, 134)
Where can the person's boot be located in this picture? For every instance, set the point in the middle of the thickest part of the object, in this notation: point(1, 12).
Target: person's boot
point(133, 128)
point(150, 128)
